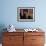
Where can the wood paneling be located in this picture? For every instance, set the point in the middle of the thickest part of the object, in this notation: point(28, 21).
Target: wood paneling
point(13, 39)
point(23, 39)
point(34, 39)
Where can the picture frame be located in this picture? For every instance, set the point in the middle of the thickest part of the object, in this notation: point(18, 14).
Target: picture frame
point(26, 14)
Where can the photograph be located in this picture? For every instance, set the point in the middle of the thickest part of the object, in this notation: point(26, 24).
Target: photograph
point(26, 14)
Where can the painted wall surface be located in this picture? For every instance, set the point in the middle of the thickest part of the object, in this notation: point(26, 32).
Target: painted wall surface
point(9, 13)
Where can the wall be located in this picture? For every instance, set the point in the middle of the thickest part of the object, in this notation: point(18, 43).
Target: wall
point(9, 13)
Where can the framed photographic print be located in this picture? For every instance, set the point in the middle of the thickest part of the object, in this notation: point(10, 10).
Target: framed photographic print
point(26, 14)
